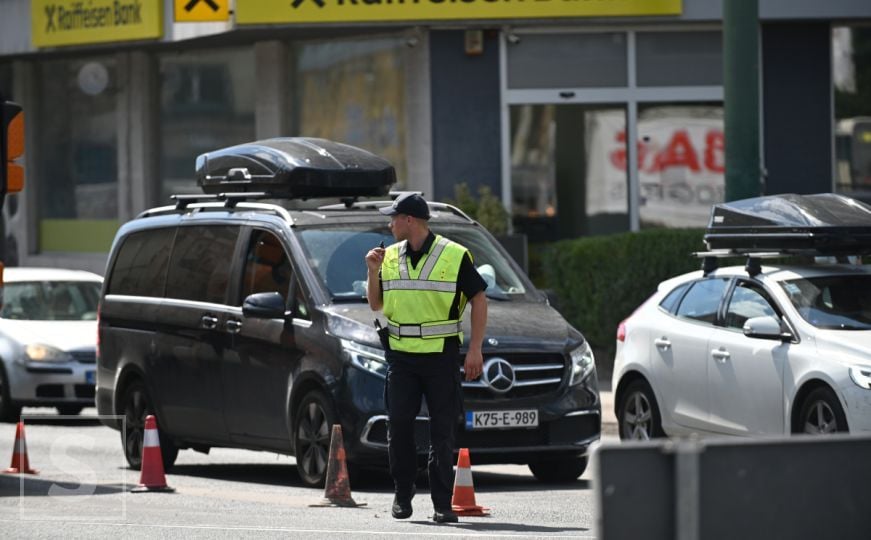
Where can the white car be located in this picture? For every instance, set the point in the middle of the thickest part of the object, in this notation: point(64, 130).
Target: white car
point(48, 337)
point(787, 350)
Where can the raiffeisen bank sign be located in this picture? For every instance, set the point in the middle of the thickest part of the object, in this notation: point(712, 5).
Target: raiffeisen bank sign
point(331, 11)
point(76, 22)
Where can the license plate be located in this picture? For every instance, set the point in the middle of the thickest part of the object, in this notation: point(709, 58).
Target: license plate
point(91, 377)
point(501, 419)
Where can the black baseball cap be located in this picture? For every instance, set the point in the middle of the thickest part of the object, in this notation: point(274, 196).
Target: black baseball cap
point(410, 204)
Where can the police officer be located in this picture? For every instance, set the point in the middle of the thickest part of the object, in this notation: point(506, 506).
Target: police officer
point(423, 283)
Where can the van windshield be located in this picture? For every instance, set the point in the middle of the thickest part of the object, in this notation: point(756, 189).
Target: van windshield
point(337, 255)
point(832, 302)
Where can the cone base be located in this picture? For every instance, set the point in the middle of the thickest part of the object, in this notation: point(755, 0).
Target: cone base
point(343, 503)
point(12, 470)
point(479, 511)
point(144, 489)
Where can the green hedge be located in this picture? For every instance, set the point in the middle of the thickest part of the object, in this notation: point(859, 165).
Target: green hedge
point(600, 280)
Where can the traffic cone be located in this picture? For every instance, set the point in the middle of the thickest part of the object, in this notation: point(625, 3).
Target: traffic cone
point(463, 501)
point(152, 478)
point(337, 489)
point(20, 463)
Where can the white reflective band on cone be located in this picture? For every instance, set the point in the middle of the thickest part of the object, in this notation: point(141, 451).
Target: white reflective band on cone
point(464, 477)
point(151, 438)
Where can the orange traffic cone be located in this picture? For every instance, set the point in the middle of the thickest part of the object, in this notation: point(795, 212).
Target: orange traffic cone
point(152, 478)
point(20, 463)
point(337, 490)
point(463, 502)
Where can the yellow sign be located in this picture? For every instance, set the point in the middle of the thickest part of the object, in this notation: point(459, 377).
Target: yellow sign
point(202, 10)
point(323, 11)
point(76, 22)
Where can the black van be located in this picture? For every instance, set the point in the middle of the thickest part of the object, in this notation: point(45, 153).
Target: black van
point(241, 323)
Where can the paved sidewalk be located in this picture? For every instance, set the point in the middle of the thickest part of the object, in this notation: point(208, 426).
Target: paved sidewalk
point(609, 421)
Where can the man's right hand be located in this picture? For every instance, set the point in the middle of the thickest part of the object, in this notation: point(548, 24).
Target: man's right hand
point(374, 259)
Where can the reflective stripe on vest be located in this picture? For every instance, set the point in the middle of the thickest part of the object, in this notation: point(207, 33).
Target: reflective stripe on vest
point(417, 303)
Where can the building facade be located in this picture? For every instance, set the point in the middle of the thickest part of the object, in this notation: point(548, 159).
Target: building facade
point(583, 117)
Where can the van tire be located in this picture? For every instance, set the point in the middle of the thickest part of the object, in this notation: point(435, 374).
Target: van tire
point(9, 412)
point(313, 423)
point(560, 470)
point(136, 404)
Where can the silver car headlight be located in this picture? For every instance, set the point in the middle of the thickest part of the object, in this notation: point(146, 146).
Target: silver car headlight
point(37, 352)
point(365, 357)
point(582, 363)
point(861, 375)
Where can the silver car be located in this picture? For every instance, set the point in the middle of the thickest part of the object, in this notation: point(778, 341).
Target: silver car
point(48, 337)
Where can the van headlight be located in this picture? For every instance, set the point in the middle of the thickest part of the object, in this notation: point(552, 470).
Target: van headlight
point(861, 375)
point(365, 357)
point(37, 352)
point(582, 363)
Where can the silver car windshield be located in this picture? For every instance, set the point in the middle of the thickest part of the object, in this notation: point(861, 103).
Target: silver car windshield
point(832, 302)
point(337, 255)
point(50, 300)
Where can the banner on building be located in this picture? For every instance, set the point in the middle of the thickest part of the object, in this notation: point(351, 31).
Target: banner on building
point(78, 22)
point(332, 11)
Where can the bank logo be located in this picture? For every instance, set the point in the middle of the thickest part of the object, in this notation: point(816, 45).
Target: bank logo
point(499, 375)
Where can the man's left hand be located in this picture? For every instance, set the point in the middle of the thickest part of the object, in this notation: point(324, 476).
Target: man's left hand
point(474, 364)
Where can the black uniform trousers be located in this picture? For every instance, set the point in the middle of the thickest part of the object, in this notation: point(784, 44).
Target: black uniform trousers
point(437, 378)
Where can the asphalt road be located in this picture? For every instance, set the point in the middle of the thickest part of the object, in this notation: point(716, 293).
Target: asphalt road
point(83, 491)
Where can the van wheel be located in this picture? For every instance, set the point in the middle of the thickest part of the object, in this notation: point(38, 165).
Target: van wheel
point(821, 413)
point(314, 421)
point(9, 412)
point(559, 471)
point(638, 416)
point(136, 405)
point(69, 410)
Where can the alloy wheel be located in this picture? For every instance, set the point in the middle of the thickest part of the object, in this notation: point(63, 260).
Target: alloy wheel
point(313, 442)
point(820, 419)
point(637, 417)
point(135, 410)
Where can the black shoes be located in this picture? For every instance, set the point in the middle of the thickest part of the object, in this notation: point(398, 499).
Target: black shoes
point(401, 508)
point(445, 516)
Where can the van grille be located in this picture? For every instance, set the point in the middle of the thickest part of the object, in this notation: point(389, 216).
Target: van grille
point(535, 375)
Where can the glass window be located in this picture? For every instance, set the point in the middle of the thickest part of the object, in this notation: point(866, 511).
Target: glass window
point(51, 300)
point(201, 261)
point(669, 303)
point(679, 58)
point(299, 309)
point(78, 195)
point(354, 92)
point(267, 267)
point(748, 301)
point(140, 266)
point(567, 60)
point(832, 302)
point(574, 154)
point(206, 103)
point(703, 300)
point(681, 163)
point(851, 70)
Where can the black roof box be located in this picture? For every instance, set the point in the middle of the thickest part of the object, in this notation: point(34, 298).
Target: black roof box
point(825, 223)
point(295, 167)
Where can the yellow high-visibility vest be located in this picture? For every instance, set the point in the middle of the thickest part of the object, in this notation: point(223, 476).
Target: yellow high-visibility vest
point(417, 302)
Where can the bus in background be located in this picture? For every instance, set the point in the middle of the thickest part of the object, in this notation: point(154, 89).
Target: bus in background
point(853, 154)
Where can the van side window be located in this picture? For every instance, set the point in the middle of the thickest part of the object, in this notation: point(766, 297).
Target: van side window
point(201, 261)
point(300, 311)
point(140, 266)
point(267, 267)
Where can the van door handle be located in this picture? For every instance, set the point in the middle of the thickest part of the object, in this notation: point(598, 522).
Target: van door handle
point(720, 355)
point(234, 326)
point(209, 322)
point(662, 343)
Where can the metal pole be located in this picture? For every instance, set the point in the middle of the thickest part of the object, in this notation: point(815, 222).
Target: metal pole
point(741, 98)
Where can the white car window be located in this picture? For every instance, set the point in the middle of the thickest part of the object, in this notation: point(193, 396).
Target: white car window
point(832, 302)
point(748, 300)
point(703, 300)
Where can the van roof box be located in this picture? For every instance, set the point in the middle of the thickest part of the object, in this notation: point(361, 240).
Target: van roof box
point(825, 224)
point(295, 168)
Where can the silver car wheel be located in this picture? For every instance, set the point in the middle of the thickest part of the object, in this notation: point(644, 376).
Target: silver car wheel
point(820, 419)
point(637, 417)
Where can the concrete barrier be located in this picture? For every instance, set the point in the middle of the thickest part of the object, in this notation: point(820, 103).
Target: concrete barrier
point(797, 487)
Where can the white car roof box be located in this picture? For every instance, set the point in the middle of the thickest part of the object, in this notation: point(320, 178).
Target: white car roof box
point(295, 168)
point(825, 224)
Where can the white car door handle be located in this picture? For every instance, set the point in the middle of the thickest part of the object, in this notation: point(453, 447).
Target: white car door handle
point(720, 355)
point(662, 343)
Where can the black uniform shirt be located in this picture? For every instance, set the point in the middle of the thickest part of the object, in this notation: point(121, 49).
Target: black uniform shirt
point(469, 282)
